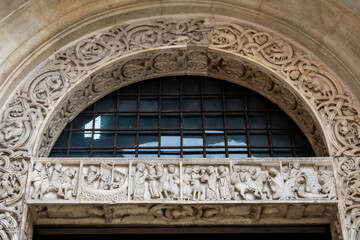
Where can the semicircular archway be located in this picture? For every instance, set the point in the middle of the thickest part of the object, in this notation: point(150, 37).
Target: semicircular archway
point(88, 69)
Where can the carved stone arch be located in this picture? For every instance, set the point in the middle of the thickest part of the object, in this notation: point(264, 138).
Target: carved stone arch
point(194, 60)
point(93, 66)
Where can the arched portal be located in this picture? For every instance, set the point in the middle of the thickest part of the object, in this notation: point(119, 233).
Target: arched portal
point(81, 73)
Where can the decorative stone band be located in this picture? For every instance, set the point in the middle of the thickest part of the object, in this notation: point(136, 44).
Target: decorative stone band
point(122, 180)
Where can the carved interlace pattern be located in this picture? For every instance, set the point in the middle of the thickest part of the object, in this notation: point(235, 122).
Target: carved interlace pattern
point(60, 85)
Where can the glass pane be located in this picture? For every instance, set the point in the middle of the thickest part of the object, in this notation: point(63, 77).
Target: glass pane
point(231, 88)
point(102, 153)
point(281, 138)
point(58, 153)
point(234, 104)
point(212, 86)
point(215, 153)
point(193, 153)
point(192, 122)
point(192, 104)
point(83, 121)
point(126, 153)
point(81, 139)
point(300, 139)
point(170, 139)
point(238, 152)
point(282, 152)
point(235, 121)
point(131, 89)
point(237, 139)
point(170, 153)
point(128, 104)
point(126, 140)
point(104, 121)
point(106, 104)
point(280, 120)
point(170, 104)
point(170, 121)
point(127, 121)
point(148, 153)
point(80, 153)
point(149, 87)
point(148, 140)
point(215, 140)
point(259, 138)
point(193, 139)
point(257, 120)
point(148, 105)
point(304, 152)
point(191, 86)
point(213, 104)
point(259, 152)
point(149, 122)
point(214, 121)
point(170, 86)
point(104, 139)
point(63, 140)
point(256, 103)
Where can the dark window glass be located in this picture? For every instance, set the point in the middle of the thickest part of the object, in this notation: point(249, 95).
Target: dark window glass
point(189, 117)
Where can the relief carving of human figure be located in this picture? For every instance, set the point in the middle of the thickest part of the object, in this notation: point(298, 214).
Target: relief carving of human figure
point(9, 187)
point(36, 179)
point(57, 180)
point(327, 183)
point(211, 190)
point(187, 182)
point(92, 175)
point(170, 185)
point(295, 178)
point(195, 182)
point(203, 178)
point(153, 182)
point(246, 180)
point(224, 184)
point(273, 184)
point(139, 182)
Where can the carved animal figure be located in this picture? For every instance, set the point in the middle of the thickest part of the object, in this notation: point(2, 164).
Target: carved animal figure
point(62, 184)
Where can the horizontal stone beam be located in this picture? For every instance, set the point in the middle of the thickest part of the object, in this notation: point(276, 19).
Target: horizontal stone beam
point(181, 181)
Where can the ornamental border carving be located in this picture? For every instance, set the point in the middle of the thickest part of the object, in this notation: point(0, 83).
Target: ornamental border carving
point(93, 66)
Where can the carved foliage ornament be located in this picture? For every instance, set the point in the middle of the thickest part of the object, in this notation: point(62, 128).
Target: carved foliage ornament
point(26, 111)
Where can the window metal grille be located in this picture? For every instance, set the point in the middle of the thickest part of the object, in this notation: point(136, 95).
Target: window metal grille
point(182, 117)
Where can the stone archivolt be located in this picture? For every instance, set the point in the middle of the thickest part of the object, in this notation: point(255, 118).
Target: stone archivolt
point(72, 79)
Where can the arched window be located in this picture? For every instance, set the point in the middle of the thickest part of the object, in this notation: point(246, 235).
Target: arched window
point(182, 117)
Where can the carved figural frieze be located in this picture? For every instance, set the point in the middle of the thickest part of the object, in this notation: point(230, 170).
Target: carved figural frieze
point(104, 182)
point(118, 180)
point(155, 181)
point(53, 181)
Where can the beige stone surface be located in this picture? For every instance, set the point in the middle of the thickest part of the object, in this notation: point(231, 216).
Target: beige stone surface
point(34, 29)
